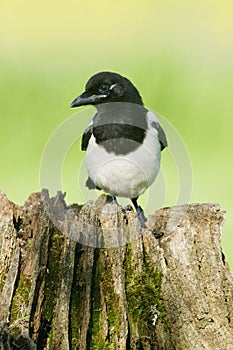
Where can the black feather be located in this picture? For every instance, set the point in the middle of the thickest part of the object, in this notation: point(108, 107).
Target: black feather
point(91, 185)
point(161, 135)
point(85, 138)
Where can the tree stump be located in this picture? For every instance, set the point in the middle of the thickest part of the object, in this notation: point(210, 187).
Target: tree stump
point(84, 277)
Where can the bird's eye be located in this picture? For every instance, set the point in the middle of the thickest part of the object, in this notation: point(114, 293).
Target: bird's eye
point(103, 89)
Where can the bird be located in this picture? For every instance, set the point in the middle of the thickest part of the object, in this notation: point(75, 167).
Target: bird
point(123, 141)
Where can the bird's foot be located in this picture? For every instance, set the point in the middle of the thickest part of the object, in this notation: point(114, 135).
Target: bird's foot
point(128, 207)
point(157, 234)
point(142, 219)
point(124, 214)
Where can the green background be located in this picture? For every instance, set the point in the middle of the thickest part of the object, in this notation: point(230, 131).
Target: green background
point(178, 53)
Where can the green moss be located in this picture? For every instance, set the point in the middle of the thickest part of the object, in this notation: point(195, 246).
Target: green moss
point(95, 338)
point(21, 297)
point(50, 342)
point(77, 299)
point(143, 292)
point(102, 277)
point(111, 302)
point(52, 276)
point(97, 341)
point(20, 303)
point(2, 282)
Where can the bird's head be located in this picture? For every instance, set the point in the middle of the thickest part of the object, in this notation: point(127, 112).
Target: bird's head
point(107, 87)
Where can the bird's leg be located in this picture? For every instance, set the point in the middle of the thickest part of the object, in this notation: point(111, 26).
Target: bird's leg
point(142, 219)
point(114, 200)
point(139, 210)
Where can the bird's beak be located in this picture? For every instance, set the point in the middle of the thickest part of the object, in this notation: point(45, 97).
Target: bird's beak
point(85, 99)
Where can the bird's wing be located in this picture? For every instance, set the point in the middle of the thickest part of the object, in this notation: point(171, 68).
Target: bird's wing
point(85, 138)
point(154, 124)
point(86, 135)
point(91, 185)
point(161, 135)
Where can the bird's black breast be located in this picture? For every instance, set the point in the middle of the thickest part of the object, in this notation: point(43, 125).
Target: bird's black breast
point(120, 127)
point(118, 138)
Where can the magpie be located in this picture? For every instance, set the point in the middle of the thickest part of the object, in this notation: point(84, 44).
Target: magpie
point(123, 141)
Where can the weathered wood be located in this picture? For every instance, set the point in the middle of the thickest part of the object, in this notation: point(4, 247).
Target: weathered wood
point(81, 277)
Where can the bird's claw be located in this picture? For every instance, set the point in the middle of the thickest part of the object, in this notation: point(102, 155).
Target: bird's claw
point(128, 208)
point(123, 210)
point(157, 234)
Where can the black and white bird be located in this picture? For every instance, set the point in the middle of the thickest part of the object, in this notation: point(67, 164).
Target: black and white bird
point(123, 141)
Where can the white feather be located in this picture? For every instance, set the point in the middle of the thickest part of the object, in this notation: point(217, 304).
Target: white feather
point(125, 175)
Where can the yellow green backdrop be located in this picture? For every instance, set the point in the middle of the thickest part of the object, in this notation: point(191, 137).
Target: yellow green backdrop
point(178, 53)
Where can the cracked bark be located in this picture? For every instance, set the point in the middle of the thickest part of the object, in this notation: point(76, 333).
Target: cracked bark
point(60, 289)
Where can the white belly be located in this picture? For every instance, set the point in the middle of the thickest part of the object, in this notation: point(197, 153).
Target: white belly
point(124, 175)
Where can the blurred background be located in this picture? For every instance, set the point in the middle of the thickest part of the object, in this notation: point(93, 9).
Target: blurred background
point(178, 53)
